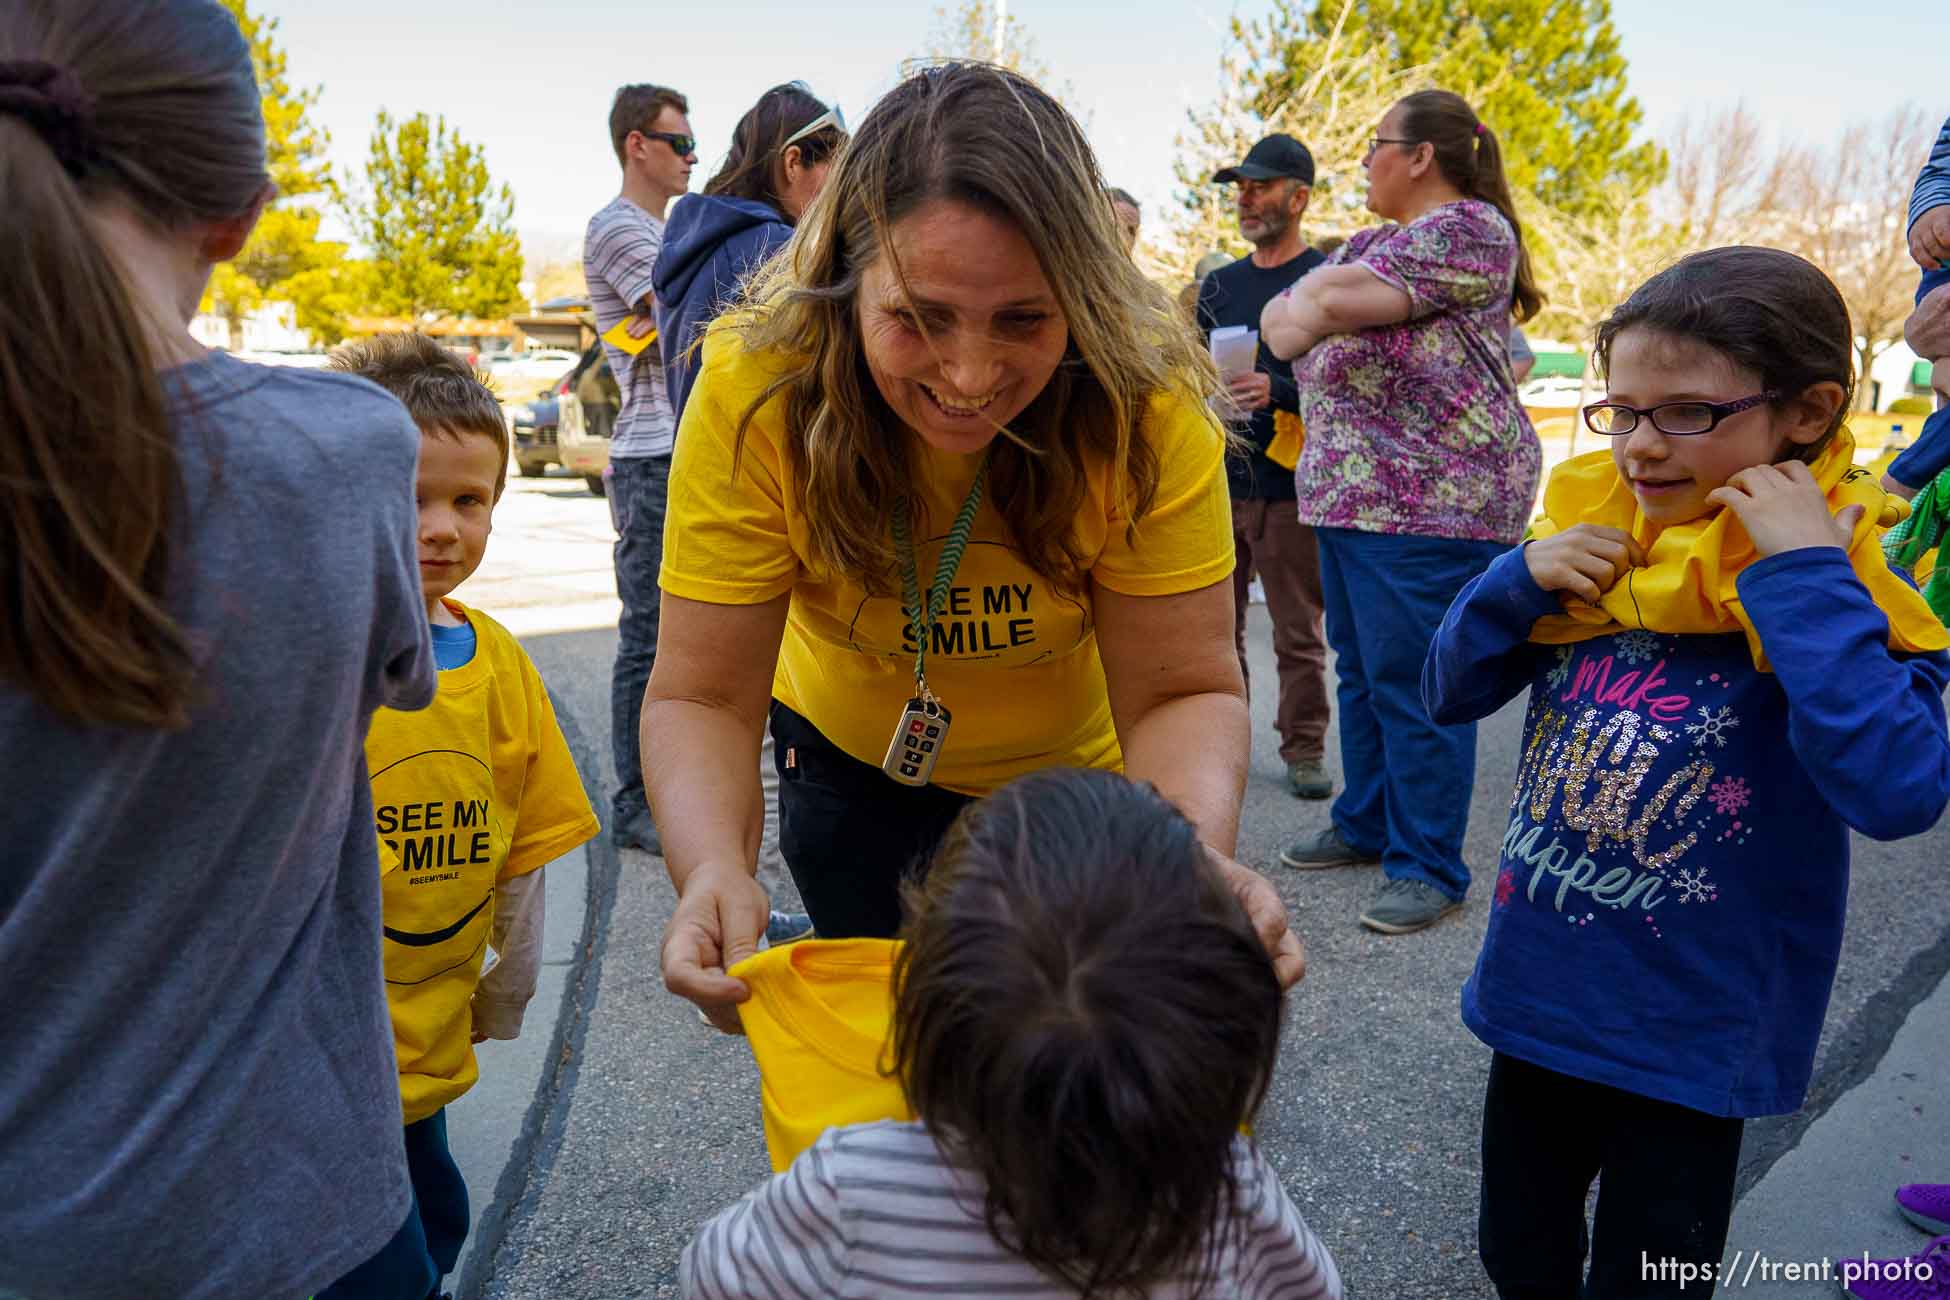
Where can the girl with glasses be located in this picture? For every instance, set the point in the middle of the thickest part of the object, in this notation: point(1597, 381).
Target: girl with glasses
point(1717, 657)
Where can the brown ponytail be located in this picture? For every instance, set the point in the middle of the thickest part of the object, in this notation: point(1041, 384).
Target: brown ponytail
point(1469, 157)
point(149, 104)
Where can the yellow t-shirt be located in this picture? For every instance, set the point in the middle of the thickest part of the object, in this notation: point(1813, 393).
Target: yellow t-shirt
point(818, 1022)
point(1014, 661)
point(476, 788)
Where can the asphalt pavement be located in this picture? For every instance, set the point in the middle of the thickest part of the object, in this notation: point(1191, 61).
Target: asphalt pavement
point(634, 1122)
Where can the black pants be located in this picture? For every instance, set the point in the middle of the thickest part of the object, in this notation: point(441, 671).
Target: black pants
point(427, 1246)
point(849, 833)
point(1666, 1194)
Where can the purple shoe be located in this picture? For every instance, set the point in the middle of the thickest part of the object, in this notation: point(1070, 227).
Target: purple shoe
point(1927, 1205)
point(1924, 1276)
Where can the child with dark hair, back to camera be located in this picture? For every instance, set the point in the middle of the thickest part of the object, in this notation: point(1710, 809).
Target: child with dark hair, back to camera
point(1083, 1020)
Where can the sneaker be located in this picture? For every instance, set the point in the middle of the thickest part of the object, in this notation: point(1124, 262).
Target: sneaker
point(1308, 780)
point(787, 927)
point(1923, 1276)
point(1326, 849)
point(637, 831)
point(1927, 1205)
point(1405, 906)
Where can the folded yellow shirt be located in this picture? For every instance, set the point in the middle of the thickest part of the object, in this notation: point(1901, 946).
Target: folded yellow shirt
point(1690, 582)
point(818, 1023)
point(1289, 440)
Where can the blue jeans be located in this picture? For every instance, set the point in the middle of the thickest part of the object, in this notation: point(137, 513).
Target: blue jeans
point(639, 491)
point(427, 1246)
point(1408, 780)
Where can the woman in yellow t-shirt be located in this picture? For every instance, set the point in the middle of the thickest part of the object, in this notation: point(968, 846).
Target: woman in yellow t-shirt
point(946, 499)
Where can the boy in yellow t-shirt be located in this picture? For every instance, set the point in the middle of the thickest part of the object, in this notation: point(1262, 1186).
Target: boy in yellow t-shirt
point(472, 796)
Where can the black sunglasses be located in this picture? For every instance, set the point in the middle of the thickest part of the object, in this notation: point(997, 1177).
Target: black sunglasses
point(682, 145)
point(1674, 419)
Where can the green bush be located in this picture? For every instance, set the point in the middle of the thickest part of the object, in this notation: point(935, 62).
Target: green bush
point(1911, 406)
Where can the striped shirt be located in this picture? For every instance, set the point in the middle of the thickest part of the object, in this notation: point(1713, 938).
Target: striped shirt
point(1933, 182)
point(619, 250)
point(872, 1212)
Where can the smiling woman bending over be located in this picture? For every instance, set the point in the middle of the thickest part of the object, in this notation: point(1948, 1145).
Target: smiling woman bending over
point(955, 384)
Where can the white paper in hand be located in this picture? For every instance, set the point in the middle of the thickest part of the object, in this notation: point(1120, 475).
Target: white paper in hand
point(1235, 349)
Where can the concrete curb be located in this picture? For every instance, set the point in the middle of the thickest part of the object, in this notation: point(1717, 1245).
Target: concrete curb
point(1860, 1046)
point(1830, 1197)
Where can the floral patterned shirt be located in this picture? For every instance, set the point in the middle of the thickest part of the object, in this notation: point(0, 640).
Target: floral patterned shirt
point(1416, 427)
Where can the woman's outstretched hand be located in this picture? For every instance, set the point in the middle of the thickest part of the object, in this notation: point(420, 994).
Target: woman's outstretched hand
point(720, 917)
point(1268, 914)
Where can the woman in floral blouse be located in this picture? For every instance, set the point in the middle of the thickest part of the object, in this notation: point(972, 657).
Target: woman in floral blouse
point(1420, 467)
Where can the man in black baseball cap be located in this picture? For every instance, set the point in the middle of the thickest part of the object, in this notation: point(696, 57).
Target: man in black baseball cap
point(1276, 155)
point(1275, 182)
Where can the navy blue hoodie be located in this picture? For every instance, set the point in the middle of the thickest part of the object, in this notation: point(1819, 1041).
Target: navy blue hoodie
point(711, 245)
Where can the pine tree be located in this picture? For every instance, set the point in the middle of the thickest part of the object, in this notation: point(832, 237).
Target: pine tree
point(439, 231)
point(1546, 75)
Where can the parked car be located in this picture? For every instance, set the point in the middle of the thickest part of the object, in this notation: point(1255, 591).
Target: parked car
point(588, 401)
point(1555, 392)
point(544, 365)
point(532, 424)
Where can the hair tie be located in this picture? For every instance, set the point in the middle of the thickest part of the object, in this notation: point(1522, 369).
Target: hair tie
point(1481, 130)
point(53, 101)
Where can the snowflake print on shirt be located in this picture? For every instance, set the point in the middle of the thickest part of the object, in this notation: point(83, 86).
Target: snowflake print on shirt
point(1637, 646)
point(1693, 886)
point(1713, 725)
point(1611, 758)
point(1560, 674)
point(1729, 795)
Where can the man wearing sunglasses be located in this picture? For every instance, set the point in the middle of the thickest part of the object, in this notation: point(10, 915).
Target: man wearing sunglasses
point(651, 134)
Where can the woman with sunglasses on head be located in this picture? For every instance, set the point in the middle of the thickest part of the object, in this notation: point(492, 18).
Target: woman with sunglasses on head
point(1420, 468)
point(954, 443)
point(781, 153)
point(1720, 663)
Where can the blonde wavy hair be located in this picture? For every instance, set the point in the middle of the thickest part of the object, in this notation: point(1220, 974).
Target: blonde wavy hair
point(982, 136)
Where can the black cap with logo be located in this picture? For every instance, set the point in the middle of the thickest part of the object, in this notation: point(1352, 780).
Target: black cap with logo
point(1276, 155)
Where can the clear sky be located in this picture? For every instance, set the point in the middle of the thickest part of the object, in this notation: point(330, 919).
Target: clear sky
point(531, 83)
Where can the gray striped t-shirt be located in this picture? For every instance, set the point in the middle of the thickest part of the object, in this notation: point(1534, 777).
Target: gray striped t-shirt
point(619, 251)
point(872, 1212)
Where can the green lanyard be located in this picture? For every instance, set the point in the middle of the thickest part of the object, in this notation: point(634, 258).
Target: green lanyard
point(921, 619)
